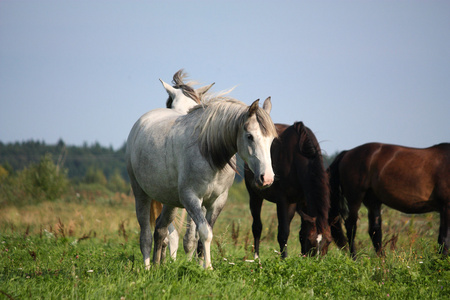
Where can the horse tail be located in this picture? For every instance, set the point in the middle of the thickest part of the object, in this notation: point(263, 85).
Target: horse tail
point(155, 211)
point(339, 206)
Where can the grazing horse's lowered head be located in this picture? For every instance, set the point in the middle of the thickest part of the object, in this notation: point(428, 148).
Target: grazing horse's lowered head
point(312, 241)
point(182, 96)
point(301, 186)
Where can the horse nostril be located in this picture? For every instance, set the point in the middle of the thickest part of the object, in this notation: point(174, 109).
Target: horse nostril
point(261, 178)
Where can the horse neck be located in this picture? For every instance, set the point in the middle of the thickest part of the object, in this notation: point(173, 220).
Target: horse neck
point(318, 198)
point(218, 138)
point(183, 104)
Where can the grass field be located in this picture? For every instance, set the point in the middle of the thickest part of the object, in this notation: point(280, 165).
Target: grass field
point(87, 246)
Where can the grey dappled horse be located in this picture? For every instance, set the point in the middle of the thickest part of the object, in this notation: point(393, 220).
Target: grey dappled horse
point(188, 161)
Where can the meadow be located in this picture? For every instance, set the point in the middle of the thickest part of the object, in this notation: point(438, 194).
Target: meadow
point(86, 246)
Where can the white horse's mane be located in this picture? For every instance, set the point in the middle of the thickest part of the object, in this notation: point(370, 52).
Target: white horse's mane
point(218, 121)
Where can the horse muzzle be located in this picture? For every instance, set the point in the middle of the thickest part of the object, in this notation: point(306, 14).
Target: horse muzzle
point(264, 181)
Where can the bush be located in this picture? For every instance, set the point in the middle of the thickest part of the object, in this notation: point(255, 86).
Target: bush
point(46, 180)
point(38, 182)
point(116, 183)
point(95, 176)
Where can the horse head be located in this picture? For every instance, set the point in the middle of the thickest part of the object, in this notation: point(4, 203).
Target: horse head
point(254, 142)
point(313, 240)
point(182, 96)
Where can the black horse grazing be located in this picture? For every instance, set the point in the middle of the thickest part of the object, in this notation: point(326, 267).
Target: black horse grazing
point(301, 185)
point(407, 179)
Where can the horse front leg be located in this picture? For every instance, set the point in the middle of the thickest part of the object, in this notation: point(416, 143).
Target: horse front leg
point(255, 209)
point(192, 204)
point(213, 211)
point(191, 242)
point(444, 230)
point(283, 226)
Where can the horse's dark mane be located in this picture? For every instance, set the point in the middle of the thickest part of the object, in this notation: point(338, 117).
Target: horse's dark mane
point(442, 145)
point(310, 148)
point(178, 83)
point(308, 144)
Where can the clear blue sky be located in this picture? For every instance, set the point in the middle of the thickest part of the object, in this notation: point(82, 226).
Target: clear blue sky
point(353, 71)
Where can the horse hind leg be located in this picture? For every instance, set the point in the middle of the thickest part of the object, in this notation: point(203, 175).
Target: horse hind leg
point(351, 226)
point(143, 216)
point(173, 241)
point(190, 239)
point(170, 241)
point(374, 216)
point(337, 232)
point(162, 233)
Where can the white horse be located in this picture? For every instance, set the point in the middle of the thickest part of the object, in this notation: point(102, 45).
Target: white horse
point(182, 97)
point(188, 161)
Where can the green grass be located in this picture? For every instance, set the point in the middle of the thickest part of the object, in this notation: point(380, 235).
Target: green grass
point(87, 249)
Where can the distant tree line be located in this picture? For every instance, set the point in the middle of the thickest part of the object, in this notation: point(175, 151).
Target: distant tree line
point(78, 160)
point(33, 171)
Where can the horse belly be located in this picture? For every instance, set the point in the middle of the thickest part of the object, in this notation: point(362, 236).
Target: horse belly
point(405, 191)
point(216, 187)
point(159, 183)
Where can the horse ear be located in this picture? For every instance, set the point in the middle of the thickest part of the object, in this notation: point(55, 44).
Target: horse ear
point(307, 217)
point(267, 106)
point(202, 90)
point(299, 127)
point(169, 89)
point(336, 221)
point(305, 143)
point(252, 109)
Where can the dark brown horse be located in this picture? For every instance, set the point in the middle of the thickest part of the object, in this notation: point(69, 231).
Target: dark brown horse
point(301, 185)
point(406, 179)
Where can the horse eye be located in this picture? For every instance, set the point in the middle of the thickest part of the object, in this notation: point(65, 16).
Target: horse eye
point(250, 137)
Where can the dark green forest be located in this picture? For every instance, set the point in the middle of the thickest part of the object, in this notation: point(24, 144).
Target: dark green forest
point(78, 160)
point(33, 171)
